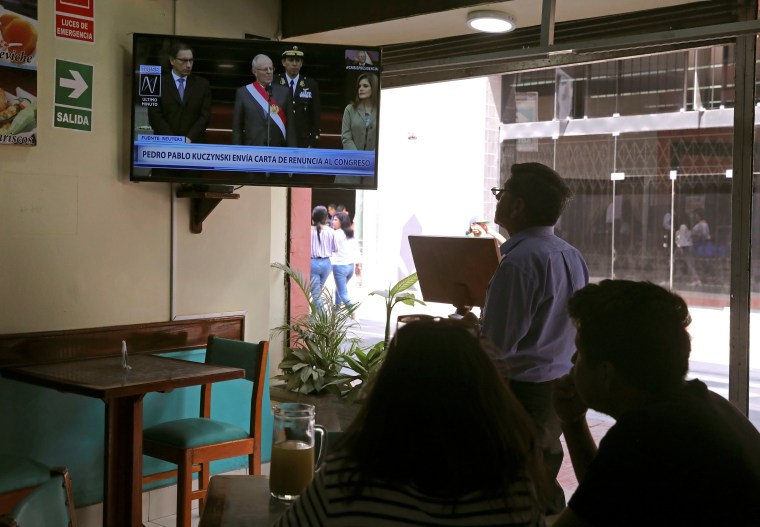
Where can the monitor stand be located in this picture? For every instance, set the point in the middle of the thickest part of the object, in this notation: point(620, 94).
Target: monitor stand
point(203, 199)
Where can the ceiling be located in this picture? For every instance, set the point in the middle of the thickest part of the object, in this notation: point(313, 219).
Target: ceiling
point(431, 24)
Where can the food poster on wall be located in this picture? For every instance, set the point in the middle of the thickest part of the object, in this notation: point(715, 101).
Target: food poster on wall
point(18, 72)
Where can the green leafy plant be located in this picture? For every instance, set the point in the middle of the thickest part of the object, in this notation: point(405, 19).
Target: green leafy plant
point(320, 341)
point(365, 361)
point(394, 295)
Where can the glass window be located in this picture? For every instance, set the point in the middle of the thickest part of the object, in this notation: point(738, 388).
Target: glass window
point(646, 144)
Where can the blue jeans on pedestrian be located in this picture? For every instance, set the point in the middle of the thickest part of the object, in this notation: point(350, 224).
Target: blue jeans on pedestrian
point(342, 274)
point(320, 271)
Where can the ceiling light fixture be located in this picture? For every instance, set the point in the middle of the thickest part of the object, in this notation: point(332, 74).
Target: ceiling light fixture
point(490, 21)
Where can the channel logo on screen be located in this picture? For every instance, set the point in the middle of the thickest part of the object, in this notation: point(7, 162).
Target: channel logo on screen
point(150, 81)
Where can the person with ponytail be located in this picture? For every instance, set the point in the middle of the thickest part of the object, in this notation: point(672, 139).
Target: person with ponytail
point(323, 245)
point(345, 261)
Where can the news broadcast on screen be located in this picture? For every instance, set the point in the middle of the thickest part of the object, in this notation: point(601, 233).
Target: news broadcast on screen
point(254, 112)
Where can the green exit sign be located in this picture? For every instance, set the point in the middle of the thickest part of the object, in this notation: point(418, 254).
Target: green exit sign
point(73, 95)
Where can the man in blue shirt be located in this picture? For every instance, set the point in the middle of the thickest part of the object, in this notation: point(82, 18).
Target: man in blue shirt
point(525, 315)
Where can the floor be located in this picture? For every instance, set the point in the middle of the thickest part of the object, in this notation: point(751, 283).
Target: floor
point(171, 521)
point(598, 423)
point(159, 507)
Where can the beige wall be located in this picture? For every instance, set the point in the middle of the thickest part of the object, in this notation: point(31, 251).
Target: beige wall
point(82, 246)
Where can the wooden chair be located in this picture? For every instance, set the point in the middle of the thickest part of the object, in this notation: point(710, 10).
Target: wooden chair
point(193, 443)
point(50, 504)
point(19, 476)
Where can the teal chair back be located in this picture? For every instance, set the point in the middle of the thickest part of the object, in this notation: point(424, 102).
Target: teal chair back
point(49, 505)
point(18, 477)
point(236, 354)
point(248, 356)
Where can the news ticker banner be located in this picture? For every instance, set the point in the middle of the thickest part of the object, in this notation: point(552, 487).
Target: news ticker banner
point(159, 151)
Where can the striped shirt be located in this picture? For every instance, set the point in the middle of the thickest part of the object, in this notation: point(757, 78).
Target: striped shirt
point(324, 245)
point(329, 501)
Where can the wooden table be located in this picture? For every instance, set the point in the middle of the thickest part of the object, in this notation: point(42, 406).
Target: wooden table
point(123, 392)
point(240, 501)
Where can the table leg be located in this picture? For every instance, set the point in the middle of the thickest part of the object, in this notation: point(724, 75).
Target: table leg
point(122, 499)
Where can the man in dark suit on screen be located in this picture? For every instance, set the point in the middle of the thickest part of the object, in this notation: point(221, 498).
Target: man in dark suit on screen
point(305, 111)
point(262, 109)
point(184, 107)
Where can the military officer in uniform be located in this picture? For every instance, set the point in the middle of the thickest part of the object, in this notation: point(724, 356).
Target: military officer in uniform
point(305, 110)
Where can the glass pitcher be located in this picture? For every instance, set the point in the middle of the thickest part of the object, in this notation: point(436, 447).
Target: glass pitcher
point(293, 460)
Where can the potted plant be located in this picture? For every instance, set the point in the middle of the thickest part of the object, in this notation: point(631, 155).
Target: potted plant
point(319, 342)
point(322, 344)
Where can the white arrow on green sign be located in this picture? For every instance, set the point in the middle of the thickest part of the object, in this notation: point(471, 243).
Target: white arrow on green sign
point(73, 95)
point(76, 83)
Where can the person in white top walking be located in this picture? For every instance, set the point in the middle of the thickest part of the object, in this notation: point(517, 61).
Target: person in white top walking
point(323, 245)
point(345, 261)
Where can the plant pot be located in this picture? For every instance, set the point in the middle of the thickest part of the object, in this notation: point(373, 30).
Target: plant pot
point(332, 412)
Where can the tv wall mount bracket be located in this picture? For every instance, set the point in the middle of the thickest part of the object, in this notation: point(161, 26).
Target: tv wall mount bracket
point(201, 205)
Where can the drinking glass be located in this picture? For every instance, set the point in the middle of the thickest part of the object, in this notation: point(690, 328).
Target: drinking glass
point(292, 465)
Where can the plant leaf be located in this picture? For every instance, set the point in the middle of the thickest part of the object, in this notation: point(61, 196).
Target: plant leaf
point(301, 354)
point(404, 284)
point(384, 294)
point(293, 382)
point(355, 365)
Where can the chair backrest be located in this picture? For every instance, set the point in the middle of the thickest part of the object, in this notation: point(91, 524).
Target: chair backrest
point(238, 354)
point(51, 504)
point(252, 357)
point(19, 472)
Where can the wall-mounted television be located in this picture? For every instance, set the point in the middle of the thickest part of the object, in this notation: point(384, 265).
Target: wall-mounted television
point(212, 112)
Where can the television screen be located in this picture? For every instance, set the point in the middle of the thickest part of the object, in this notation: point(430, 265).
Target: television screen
point(211, 111)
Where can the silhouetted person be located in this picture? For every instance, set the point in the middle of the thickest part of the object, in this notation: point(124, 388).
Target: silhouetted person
point(439, 440)
point(678, 454)
point(525, 314)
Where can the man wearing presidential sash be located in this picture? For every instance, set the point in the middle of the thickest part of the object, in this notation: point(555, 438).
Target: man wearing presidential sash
point(305, 111)
point(261, 109)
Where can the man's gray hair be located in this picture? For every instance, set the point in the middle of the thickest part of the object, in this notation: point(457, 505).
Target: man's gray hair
point(257, 58)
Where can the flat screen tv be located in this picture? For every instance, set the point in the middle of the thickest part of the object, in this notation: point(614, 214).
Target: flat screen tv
point(321, 132)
